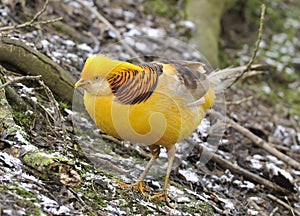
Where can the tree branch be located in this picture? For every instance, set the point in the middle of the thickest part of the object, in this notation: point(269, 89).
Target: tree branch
point(260, 34)
point(257, 140)
point(32, 22)
point(113, 29)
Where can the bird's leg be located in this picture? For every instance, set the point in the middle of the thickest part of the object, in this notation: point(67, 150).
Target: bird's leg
point(139, 184)
point(163, 194)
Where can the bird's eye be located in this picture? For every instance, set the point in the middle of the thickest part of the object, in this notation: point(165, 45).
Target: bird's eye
point(96, 78)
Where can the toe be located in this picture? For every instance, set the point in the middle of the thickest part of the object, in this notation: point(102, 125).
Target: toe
point(162, 195)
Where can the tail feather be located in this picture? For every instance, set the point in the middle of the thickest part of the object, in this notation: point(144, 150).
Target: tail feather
point(222, 79)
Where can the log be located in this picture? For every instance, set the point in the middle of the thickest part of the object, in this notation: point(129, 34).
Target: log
point(28, 61)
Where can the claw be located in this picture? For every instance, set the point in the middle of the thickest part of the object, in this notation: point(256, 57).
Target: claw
point(162, 195)
point(138, 185)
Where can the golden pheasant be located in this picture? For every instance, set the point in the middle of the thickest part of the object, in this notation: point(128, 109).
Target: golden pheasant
point(156, 104)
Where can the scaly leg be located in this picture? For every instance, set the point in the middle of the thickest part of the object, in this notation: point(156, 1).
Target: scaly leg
point(171, 150)
point(139, 184)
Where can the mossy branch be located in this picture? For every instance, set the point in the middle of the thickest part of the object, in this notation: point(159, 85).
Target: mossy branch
point(31, 62)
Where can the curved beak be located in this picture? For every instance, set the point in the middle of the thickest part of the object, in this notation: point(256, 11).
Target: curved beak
point(80, 83)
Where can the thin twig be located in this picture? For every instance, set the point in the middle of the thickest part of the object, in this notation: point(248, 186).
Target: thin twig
point(89, 208)
point(17, 79)
point(234, 168)
point(274, 211)
point(58, 121)
point(279, 201)
point(113, 29)
point(33, 21)
point(291, 208)
point(97, 159)
point(238, 102)
point(260, 34)
point(47, 21)
point(257, 140)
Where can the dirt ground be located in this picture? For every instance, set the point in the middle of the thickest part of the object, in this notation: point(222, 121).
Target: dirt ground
point(53, 160)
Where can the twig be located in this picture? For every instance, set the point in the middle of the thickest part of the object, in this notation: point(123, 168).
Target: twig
point(238, 102)
point(260, 34)
point(280, 147)
point(234, 168)
point(58, 121)
point(47, 21)
point(89, 208)
point(32, 22)
point(17, 79)
point(257, 140)
point(111, 138)
point(113, 29)
point(274, 211)
point(279, 201)
point(109, 164)
point(292, 210)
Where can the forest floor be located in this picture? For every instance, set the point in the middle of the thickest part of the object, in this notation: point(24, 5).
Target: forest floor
point(53, 161)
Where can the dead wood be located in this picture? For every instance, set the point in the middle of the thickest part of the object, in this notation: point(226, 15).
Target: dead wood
point(24, 59)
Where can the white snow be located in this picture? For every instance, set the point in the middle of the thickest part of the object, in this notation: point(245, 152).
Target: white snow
point(275, 170)
point(153, 32)
point(189, 175)
point(203, 127)
point(255, 161)
point(252, 212)
point(244, 184)
point(10, 160)
point(52, 206)
point(188, 24)
point(274, 159)
point(85, 47)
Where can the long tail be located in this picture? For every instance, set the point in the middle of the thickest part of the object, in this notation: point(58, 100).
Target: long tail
point(222, 79)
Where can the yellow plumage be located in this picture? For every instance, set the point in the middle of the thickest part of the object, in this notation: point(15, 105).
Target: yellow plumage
point(156, 104)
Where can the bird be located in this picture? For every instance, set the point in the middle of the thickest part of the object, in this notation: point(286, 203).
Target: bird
point(156, 104)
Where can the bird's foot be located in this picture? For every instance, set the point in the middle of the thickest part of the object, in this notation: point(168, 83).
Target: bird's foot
point(162, 195)
point(138, 185)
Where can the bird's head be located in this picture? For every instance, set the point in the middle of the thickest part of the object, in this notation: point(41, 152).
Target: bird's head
point(94, 72)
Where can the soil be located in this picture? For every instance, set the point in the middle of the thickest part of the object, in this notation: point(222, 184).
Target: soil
point(54, 161)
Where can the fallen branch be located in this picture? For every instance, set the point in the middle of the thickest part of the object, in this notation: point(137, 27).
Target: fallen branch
point(113, 29)
point(97, 160)
point(32, 62)
point(234, 168)
point(238, 102)
point(33, 21)
point(17, 79)
point(257, 140)
point(279, 201)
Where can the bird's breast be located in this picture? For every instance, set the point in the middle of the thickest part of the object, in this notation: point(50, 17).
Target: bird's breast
point(162, 119)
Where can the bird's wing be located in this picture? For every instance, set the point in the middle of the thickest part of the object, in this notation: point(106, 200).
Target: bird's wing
point(191, 79)
point(193, 65)
point(133, 84)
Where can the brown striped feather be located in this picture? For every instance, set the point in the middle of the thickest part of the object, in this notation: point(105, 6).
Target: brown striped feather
point(191, 75)
point(132, 86)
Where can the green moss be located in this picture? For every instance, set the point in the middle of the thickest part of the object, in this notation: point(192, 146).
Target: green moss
point(21, 118)
point(24, 198)
point(166, 8)
point(63, 106)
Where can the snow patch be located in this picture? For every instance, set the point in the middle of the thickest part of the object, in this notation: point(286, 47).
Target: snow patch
point(10, 160)
point(275, 170)
point(190, 175)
